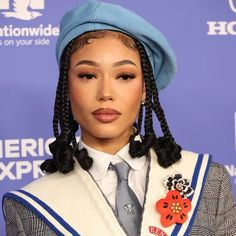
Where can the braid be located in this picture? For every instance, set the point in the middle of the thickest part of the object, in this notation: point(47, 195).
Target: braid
point(148, 109)
point(61, 149)
point(156, 106)
point(168, 152)
point(137, 148)
point(140, 119)
point(148, 126)
point(57, 113)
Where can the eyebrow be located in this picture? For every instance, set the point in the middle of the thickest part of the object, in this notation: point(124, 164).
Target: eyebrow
point(124, 62)
point(118, 63)
point(87, 62)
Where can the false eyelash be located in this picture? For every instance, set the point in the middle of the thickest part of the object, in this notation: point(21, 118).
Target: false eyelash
point(129, 75)
point(86, 75)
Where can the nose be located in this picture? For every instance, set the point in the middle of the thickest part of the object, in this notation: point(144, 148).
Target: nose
point(105, 90)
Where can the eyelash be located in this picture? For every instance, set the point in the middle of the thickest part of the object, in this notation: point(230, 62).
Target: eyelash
point(87, 76)
point(122, 76)
point(127, 76)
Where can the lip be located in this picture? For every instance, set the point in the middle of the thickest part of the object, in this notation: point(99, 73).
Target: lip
point(106, 115)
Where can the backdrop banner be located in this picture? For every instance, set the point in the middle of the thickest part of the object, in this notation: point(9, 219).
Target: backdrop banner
point(200, 103)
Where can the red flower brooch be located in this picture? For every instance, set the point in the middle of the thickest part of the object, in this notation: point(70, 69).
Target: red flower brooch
point(175, 206)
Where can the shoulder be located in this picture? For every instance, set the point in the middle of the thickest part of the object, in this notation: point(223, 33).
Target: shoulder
point(13, 210)
point(216, 214)
point(218, 182)
point(19, 219)
point(193, 162)
point(41, 186)
point(217, 196)
point(53, 181)
point(187, 157)
point(217, 171)
point(58, 184)
point(19, 216)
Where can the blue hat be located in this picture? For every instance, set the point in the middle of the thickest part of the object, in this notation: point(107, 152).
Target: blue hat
point(94, 15)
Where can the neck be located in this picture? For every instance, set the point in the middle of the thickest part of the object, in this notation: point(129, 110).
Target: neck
point(107, 145)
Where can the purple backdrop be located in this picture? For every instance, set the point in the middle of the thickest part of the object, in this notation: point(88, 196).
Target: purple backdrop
point(200, 103)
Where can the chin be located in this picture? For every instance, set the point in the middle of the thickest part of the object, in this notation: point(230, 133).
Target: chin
point(107, 135)
point(110, 132)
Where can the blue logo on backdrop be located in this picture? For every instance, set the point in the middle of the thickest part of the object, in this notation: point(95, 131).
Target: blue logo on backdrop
point(223, 27)
point(22, 9)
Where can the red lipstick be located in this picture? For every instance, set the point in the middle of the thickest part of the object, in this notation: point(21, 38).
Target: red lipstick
point(106, 115)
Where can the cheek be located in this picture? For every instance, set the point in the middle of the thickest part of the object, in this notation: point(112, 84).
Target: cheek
point(80, 108)
point(78, 98)
point(134, 95)
point(132, 101)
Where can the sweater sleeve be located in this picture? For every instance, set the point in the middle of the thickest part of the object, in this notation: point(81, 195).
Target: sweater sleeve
point(226, 210)
point(217, 210)
point(21, 221)
point(13, 221)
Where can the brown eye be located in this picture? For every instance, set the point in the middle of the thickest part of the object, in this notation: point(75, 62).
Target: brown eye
point(86, 76)
point(126, 76)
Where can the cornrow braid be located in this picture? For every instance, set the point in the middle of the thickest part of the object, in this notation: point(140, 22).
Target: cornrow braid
point(168, 152)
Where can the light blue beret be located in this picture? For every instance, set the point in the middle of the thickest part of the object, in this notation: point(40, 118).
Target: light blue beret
point(94, 15)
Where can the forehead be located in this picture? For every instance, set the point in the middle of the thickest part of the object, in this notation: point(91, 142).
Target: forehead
point(105, 52)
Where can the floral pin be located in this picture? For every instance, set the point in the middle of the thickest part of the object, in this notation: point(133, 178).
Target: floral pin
point(178, 183)
point(175, 206)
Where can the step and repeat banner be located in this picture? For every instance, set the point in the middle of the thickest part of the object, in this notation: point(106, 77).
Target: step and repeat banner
point(200, 103)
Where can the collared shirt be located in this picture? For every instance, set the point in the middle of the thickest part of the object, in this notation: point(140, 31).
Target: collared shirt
point(107, 180)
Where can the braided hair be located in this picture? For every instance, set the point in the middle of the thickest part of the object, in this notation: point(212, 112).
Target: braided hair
point(61, 148)
point(64, 148)
point(167, 150)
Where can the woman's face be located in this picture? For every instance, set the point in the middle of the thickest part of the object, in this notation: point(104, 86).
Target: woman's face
point(106, 89)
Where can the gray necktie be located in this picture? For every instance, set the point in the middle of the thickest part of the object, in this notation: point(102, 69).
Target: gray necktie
point(127, 205)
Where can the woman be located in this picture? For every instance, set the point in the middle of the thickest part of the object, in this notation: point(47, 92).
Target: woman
point(109, 71)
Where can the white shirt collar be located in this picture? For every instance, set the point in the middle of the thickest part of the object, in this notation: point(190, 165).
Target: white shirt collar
point(101, 160)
